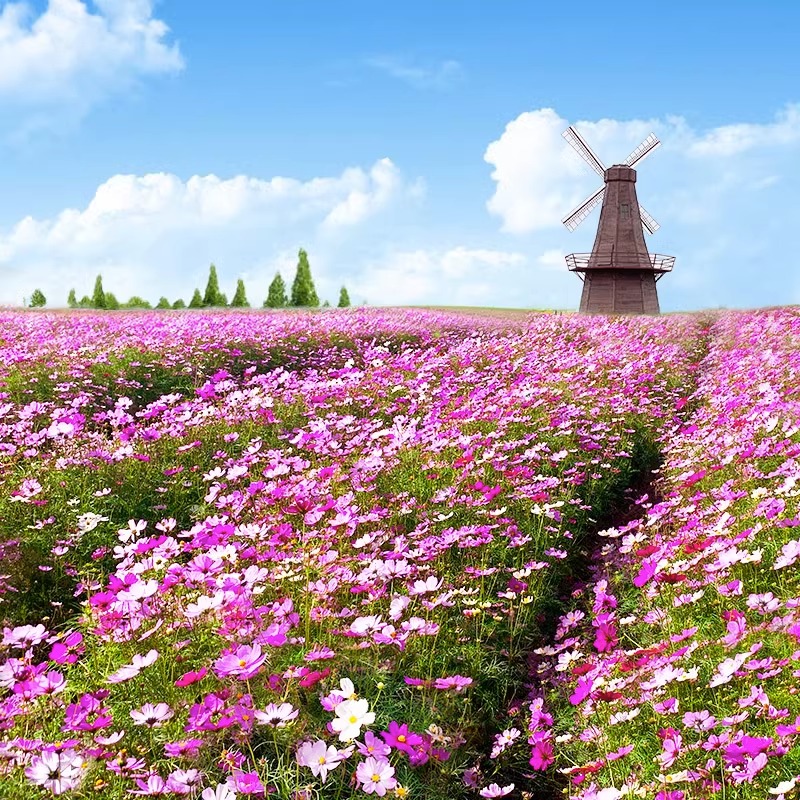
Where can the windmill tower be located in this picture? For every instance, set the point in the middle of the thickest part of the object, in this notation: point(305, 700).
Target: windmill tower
point(619, 275)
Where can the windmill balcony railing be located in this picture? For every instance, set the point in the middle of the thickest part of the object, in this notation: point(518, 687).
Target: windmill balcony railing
point(581, 262)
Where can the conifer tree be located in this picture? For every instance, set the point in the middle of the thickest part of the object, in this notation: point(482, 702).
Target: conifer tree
point(112, 304)
point(85, 302)
point(276, 297)
point(72, 301)
point(37, 299)
point(197, 300)
point(344, 298)
point(303, 292)
point(213, 296)
point(163, 303)
point(240, 298)
point(179, 304)
point(98, 296)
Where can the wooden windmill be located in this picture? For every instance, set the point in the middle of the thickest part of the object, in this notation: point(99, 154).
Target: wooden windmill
point(619, 275)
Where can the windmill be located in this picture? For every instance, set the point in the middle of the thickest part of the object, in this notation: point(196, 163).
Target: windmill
point(619, 275)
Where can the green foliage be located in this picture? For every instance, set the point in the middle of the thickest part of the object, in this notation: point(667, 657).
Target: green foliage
point(37, 299)
point(240, 298)
point(72, 301)
point(163, 303)
point(213, 296)
point(303, 292)
point(344, 298)
point(179, 304)
point(86, 302)
point(276, 297)
point(137, 302)
point(326, 304)
point(112, 304)
point(197, 300)
point(98, 296)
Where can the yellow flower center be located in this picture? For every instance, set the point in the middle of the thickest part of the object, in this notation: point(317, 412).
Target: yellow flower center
point(242, 662)
point(376, 777)
point(353, 720)
point(401, 737)
point(322, 759)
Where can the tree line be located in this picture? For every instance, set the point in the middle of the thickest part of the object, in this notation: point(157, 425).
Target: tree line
point(303, 294)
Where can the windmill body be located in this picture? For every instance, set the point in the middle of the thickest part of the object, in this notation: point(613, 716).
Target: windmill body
point(619, 275)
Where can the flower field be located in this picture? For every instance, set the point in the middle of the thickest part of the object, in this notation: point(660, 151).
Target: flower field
point(399, 553)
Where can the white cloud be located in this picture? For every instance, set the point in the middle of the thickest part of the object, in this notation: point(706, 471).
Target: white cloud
point(70, 56)
point(153, 230)
point(423, 76)
point(730, 140)
point(539, 178)
point(458, 276)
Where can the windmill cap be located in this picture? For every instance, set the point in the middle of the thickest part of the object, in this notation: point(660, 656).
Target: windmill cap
point(620, 172)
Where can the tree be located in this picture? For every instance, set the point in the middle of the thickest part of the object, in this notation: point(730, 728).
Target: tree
point(72, 301)
point(276, 297)
point(86, 302)
point(37, 299)
point(197, 300)
point(98, 296)
point(179, 304)
point(240, 298)
point(163, 303)
point(213, 296)
point(344, 298)
point(137, 302)
point(303, 291)
point(112, 304)
point(326, 304)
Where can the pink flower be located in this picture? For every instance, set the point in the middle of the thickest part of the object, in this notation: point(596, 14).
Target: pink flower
point(152, 716)
point(58, 772)
point(456, 682)
point(244, 662)
point(277, 716)
point(493, 790)
point(319, 758)
point(376, 775)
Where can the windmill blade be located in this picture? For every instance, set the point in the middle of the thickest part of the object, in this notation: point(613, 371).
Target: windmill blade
point(649, 223)
point(584, 209)
point(584, 151)
point(643, 150)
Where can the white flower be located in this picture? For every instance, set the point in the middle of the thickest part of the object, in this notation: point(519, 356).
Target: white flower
point(351, 716)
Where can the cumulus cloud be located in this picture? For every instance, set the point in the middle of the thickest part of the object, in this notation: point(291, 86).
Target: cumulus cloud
point(69, 56)
point(439, 76)
point(146, 230)
point(539, 178)
point(455, 276)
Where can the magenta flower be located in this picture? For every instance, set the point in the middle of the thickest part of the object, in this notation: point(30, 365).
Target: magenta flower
point(458, 683)
point(191, 677)
point(376, 775)
point(401, 738)
point(243, 663)
point(68, 650)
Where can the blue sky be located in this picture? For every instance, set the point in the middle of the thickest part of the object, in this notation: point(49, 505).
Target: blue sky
point(412, 148)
